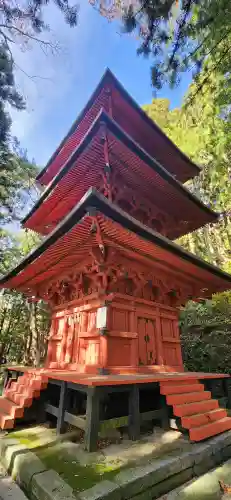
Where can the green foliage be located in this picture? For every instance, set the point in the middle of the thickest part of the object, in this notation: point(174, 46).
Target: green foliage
point(24, 325)
point(179, 36)
point(205, 334)
point(203, 131)
point(16, 172)
point(16, 184)
point(24, 328)
point(8, 93)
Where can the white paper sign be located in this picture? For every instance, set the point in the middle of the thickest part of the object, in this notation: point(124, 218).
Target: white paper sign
point(101, 317)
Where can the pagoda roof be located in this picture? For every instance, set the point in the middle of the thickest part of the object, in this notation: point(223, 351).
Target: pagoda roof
point(70, 242)
point(133, 119)
point(144, 173)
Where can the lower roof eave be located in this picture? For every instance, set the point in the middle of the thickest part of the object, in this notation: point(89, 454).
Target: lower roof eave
point(222, 280)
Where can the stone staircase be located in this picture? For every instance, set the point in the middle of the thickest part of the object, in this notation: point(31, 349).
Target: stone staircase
point(18, 396)
point(198, 412)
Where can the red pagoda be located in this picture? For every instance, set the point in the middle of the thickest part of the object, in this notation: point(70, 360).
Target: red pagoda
point(113, 202)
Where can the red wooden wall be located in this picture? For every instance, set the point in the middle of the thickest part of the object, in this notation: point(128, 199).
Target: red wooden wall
point(137, 335)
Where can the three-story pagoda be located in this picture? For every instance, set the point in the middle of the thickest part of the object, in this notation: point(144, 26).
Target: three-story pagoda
point(114, 200)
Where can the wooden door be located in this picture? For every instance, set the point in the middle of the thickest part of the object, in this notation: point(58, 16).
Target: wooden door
point(147, 341)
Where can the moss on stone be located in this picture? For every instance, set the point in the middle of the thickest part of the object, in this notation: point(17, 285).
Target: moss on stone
point(34, 436)
point(79, 477)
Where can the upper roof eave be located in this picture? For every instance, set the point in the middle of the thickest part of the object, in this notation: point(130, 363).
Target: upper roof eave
point(108, 75)
point(94, 199)
point(103, 117)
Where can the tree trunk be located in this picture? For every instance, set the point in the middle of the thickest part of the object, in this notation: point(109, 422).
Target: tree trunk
point(35, 337)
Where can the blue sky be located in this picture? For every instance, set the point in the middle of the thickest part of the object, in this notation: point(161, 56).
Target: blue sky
point(59, 84)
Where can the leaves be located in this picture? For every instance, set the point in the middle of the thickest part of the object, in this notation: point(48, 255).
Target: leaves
point(24, 325)
point(205, 334)
point(203, 131)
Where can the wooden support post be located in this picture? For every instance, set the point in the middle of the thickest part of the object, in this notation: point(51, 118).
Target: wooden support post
point(165, 421)
point(62, 408)
point(41, 415)
point(92, 419)
point(6, 377)
point(134, 413)
point(227, 391)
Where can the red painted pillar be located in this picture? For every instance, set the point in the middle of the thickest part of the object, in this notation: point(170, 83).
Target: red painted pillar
point(50, 344)
point(159, 342)
point(64, 341)
point(178, 346)
point(102, 318)
point(135, 340)
point(104, 353)
point(69, 341)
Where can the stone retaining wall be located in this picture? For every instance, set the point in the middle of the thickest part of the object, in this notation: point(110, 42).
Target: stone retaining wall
point(146, 482)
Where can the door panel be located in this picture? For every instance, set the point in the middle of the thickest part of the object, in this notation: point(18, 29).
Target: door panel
point(147, 341)
point(141, 327)
point(151, 342)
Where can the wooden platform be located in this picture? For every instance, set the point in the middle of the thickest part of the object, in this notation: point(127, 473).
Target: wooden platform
point(117, 379)
point(180, 397)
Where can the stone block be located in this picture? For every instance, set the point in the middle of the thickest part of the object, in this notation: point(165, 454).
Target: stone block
point(205, 466)
point(9, 490)
point(222, 440)
point(166, 486)
point(105, 490)
point(226, 452)
point(218, 457)
point(10, 454)
point(49, 486)
point(5, 443)
point(187, 460)
point(135, 481)
point(201, 453)
point(25, 466)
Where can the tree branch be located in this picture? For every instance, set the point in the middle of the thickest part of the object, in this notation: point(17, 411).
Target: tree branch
point(25, 34)
point(181, 26)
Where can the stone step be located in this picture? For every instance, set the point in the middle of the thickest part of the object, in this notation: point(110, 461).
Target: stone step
point(190, 397)
point(23, 389)
point(193, 408)
point(176, 381)
point(203, 418)
point(22, 400)
point(6, 420)
point(180, 389)
point(10, 392)
point(13, 386)
point(208, 430)
point(9, 407)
